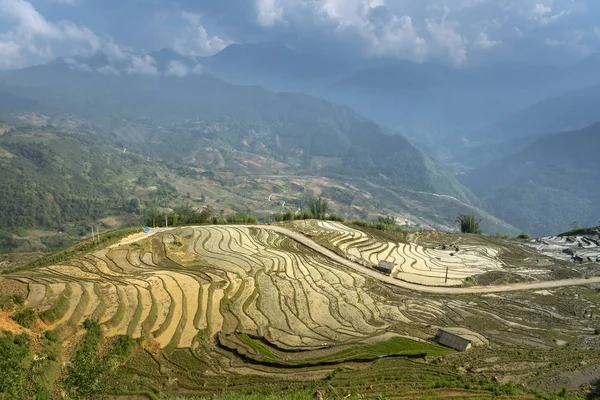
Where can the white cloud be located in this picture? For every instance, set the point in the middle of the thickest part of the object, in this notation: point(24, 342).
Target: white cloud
point(77, 66)
point(444, 36)
point(32, 38)
point(543, 14)
point(142, 65)
point(195, 40)
point(539, 10)
point(402, 29)
point(375, 30)
point(484, 42)
point(10, 53)
point(178, 69)
point(269, 12)
point(108, 70)
point(198, 69)
point(518, 31)
point(398, 37)
point(69, 2)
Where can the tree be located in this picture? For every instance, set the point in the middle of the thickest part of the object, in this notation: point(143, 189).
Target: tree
point(387, 220)
point(206, 214)
point(153, 216)
point(318, 207)
point(134, 204)
point(468, 223)
point(143, 181)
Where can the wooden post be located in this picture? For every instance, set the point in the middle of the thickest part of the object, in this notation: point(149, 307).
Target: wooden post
point(166, 221)
point(93, 237)
point(446, 281)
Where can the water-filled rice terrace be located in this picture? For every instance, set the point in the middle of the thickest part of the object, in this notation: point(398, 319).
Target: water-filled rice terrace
point(255, 292)
point(443, 266)
point(223, 301)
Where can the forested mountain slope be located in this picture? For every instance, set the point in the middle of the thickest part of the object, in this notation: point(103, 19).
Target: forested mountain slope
point(286, 125)
point(197, 137)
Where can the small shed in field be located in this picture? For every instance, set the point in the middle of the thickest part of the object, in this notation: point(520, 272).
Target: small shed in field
point(385, 267)
point(453, 341)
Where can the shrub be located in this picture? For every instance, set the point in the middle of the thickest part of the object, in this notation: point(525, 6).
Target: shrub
point(219, 221)
point(380, 226)
point(524, 236)
point(25, 317)
point(123, 346)
point(242, 218)
point(19, 299)
point(336, 218)
point(87, 372)
point(387, 220)
point(6, 303)
point(51, 336)
point(15, 353)
point(22, 339)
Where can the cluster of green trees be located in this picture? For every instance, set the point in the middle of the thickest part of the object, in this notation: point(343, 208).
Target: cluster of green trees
point(316, 208)
point(88, 374)
point(187, 214)
point(35, 193)
point(28, 375)
point(14, 365)
point(382, 224)
point(23, 376)
point(65, 181)
point(304, 215)
point(468, 223)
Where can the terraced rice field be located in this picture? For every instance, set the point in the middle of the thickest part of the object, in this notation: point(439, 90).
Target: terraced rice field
point(413, 263)
point(255, 304)
point(251, 292)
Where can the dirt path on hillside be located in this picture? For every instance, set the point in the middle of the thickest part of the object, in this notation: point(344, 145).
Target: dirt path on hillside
point(421, 288)
point(136, 237)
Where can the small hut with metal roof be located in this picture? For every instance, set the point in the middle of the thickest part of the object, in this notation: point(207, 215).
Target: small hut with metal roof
point(453, 341)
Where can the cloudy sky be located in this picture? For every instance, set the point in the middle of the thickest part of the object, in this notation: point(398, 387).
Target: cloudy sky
point(453, 32)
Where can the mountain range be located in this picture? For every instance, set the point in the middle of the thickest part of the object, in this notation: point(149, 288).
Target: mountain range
point(236, 145)
point(213, 114)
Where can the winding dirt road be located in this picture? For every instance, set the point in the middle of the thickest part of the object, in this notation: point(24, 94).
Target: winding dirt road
point(428, 289)
point(421, 288)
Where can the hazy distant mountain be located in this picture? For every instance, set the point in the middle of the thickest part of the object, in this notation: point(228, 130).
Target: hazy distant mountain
point(546, 186)
point(435, 106)
point(179, 118)
point(582, 74)
point(278, 67)
point(567, 111)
